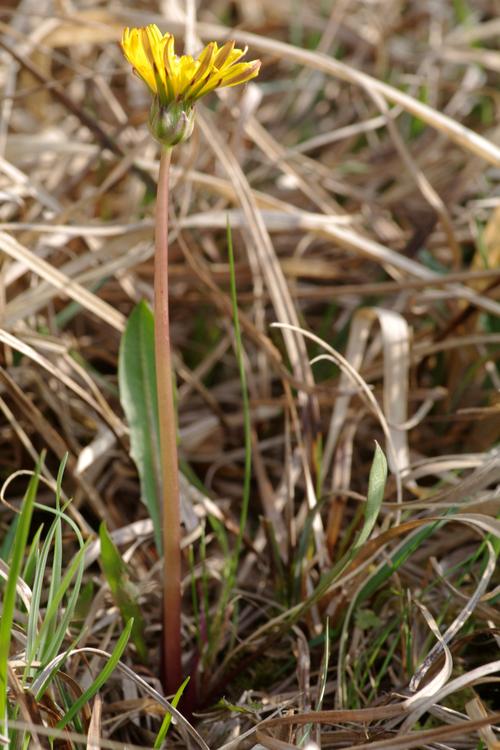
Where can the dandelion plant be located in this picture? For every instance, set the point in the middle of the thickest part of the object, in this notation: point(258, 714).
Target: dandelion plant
point(176, 83)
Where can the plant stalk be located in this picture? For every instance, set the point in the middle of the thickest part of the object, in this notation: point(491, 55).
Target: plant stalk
point(172, 669)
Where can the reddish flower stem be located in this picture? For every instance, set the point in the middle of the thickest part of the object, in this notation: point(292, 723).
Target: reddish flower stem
point(172, 676)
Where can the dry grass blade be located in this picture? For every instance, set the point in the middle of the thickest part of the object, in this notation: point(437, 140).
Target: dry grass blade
point(459, 621)
point(469, 678)
point(45, 270)
point(94, 733)
point(396, 358)
point(28, 351)
point(476, 710)
point(443, 674)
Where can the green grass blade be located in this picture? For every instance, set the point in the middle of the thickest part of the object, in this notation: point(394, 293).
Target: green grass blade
point(168, 717)
point(101, 679)
point(52, 645)
point(246, 409)
point(138, 396)
point(9, 599)
point(194, 599)
point(45, 635)
point(205, 589)
point(232, 562)
point(57, 564)
point(52, 632)
point(32, 640)
point(397, 559)
point(375, 495)
point(323, 670)
point(30, 566)
point(8, 540)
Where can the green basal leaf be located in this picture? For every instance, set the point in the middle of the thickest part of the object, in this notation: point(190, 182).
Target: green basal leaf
point(137, 382)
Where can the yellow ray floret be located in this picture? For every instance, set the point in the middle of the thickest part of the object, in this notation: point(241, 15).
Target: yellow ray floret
point(183, 79)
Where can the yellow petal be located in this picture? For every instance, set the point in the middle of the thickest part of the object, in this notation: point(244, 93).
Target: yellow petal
point(223, 54)
point(234, 56)
point(135, 53)
point(154, 39)
point(169, 54)
point(241, 73)
point(206, 61)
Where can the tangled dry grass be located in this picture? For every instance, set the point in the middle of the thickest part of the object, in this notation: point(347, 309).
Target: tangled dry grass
point(359, 176)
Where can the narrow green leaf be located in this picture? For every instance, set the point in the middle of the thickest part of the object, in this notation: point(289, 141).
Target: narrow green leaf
point(233, 560)
point(32, 642)
point(122, 590)
point(31, 562)
point(376, 486)
point(9, 599)
point(375, 495)
point(84, 601)
point(46, 639)
point(168, 717)
point(57, 563)
point(112, 564)
point(49, 637)
point(101, 679)
point(323, 671)
point(137, 382)
point(247, 427)
point(51, 647)
point(8, 539)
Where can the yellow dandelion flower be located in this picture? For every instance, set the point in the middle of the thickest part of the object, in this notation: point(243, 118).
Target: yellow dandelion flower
point(177, 82)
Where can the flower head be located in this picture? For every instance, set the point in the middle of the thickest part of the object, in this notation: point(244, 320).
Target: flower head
point(177, 82)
